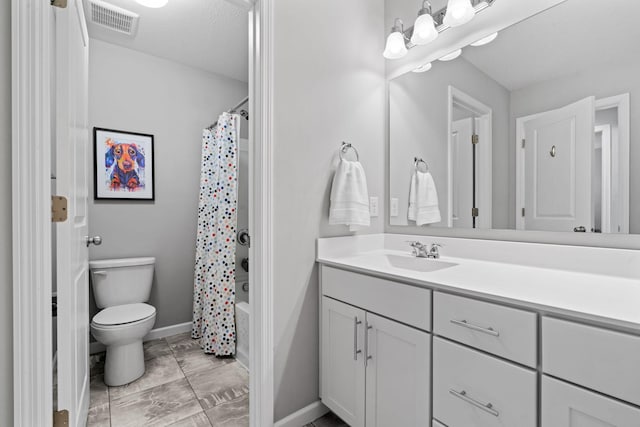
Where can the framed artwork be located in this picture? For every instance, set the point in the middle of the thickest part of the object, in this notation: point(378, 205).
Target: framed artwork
point(123, 165)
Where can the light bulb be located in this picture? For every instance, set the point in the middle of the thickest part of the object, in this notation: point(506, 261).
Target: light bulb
point(459, 12)
point(451, 56)
point(424, 29)
point(395, 47)
point(153, 3)
point(423, 68)
point(485, 40)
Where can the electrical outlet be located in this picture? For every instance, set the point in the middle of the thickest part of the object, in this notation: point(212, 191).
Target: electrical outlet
point(394, 207)
point(373, 206)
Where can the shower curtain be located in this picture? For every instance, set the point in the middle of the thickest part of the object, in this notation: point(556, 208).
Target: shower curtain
point(214, 276)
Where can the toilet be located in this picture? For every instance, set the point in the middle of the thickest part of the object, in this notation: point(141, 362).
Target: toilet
point(121, 288)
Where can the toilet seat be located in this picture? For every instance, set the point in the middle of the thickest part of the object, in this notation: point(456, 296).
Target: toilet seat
point(125, 314)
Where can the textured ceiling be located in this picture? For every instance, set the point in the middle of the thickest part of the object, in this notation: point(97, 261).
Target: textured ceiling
point(211, 35)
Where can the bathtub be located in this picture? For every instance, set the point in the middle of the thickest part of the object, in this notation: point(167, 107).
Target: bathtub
point(242, 333)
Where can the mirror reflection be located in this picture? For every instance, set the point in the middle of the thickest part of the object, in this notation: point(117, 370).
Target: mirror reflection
point(532, 130)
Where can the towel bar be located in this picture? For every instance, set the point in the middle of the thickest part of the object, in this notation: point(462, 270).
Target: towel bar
point(343, 150)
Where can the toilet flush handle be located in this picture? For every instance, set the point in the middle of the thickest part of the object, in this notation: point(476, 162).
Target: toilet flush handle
point(96, 240)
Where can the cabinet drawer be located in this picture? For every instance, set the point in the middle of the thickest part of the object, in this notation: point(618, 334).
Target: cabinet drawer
point(564, 405)
point(472, 389)
point(596, 358)
point(504, 331)
point(404, 303)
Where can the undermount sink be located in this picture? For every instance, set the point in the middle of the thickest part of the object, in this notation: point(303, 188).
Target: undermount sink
point(423, 265)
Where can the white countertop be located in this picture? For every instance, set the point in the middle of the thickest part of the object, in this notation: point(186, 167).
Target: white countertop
point(601, 298)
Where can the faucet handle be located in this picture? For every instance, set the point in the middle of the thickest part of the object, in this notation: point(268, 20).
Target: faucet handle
point(436, 245)
point(414, 243)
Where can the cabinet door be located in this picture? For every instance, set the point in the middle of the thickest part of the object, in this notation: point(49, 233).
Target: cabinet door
point(564, 405)
point(342, 368)
point(398, 374)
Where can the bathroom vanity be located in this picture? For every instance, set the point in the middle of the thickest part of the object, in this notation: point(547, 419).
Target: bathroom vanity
point(490, 334)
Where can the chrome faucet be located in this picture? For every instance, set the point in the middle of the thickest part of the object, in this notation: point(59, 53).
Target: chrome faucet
point(433, 251)
point(420, 250)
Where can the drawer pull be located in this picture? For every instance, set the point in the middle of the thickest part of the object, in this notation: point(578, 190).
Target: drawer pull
point(468, 325)
point(368, 355)
point(485, 407)
point(356, 322)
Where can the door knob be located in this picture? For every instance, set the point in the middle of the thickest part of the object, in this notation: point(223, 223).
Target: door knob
point(95, 240)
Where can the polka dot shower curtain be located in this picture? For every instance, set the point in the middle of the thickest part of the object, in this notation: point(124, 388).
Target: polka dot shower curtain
point(214, 277)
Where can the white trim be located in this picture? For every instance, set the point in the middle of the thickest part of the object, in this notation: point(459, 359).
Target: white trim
point(303, 416)
point(484, 159)
point(261, 383)
point(154, 334)
point(31, 206)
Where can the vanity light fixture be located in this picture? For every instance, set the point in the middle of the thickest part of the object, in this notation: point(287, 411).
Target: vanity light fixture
point(423, 68)
point(428, 25)
point(450, 56)
point(424, 29)
point(154, 4)
point(485, 40)
point(459, 12)
point(396, 46)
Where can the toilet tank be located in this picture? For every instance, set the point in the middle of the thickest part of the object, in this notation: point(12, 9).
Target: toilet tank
point(121, 281)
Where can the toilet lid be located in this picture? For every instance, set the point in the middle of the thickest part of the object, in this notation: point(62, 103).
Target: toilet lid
point(122, 314)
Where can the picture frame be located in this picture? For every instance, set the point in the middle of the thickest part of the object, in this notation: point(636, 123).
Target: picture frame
point(123, 165)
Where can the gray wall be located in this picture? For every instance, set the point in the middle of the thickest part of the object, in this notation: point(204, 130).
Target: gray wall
point(608, 80)
point(329, 87)
point(418, 127)
point(133, 91)
point(6, 294)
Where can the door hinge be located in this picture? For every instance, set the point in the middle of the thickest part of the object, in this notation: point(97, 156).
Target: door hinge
point(475, 212)
point(58, 209)
point(522, 211)
point(475, 139)
point(59, 3)
point(61, 418)
point(523, 142)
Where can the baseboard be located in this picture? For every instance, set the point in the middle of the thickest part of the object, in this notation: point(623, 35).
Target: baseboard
point(154, 334)
point(304, 416)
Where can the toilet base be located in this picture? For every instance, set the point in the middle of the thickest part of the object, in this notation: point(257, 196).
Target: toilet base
point(123, 363)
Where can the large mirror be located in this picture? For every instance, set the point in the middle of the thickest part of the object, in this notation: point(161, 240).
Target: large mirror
point(536, 130)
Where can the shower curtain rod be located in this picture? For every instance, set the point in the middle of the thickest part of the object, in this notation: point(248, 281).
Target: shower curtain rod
point(232, 110)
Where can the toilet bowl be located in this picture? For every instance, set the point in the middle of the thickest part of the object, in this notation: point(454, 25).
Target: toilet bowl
point(121, 287)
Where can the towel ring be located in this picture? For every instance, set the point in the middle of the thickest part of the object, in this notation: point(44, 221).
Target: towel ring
point(416, 163)
point(345, 147)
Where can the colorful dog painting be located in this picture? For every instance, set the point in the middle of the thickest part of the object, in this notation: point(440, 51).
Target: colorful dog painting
point(128, 159)
point(123, 165)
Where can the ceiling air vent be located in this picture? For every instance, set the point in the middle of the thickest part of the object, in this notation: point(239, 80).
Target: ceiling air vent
point(112, 17)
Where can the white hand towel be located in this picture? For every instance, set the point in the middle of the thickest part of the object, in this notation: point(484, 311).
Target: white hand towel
point(423, 199)
point(349, 196)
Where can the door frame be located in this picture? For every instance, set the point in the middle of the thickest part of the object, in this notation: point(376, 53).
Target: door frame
point(485, 159)
point(31, 58)
point(621, 102)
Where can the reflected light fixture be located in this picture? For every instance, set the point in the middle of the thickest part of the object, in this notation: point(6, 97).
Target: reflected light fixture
point(451, 56)
point(424, 29)
point(459, 12)
point(154, 4)
point(485, 40)
point(396, 46)
point(423, 68)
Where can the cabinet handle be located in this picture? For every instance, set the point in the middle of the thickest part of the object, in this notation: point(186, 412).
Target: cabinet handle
point(356, 322)
point(368, 356)
point(485, 407)
point(468, 325)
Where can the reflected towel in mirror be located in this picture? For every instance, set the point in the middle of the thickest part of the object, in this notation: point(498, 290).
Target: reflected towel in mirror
point(423, 199)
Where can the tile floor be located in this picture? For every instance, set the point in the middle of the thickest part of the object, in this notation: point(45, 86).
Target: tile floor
point(329, 420)
point(182, 386)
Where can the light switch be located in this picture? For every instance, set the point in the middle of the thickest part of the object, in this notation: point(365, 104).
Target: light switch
point(373, 206)
point(394, 207)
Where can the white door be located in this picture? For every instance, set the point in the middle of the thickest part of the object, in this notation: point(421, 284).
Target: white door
point(72, 166)
point(462, 173)
point(342, 365)
point(398, 374)
point(557, 162)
